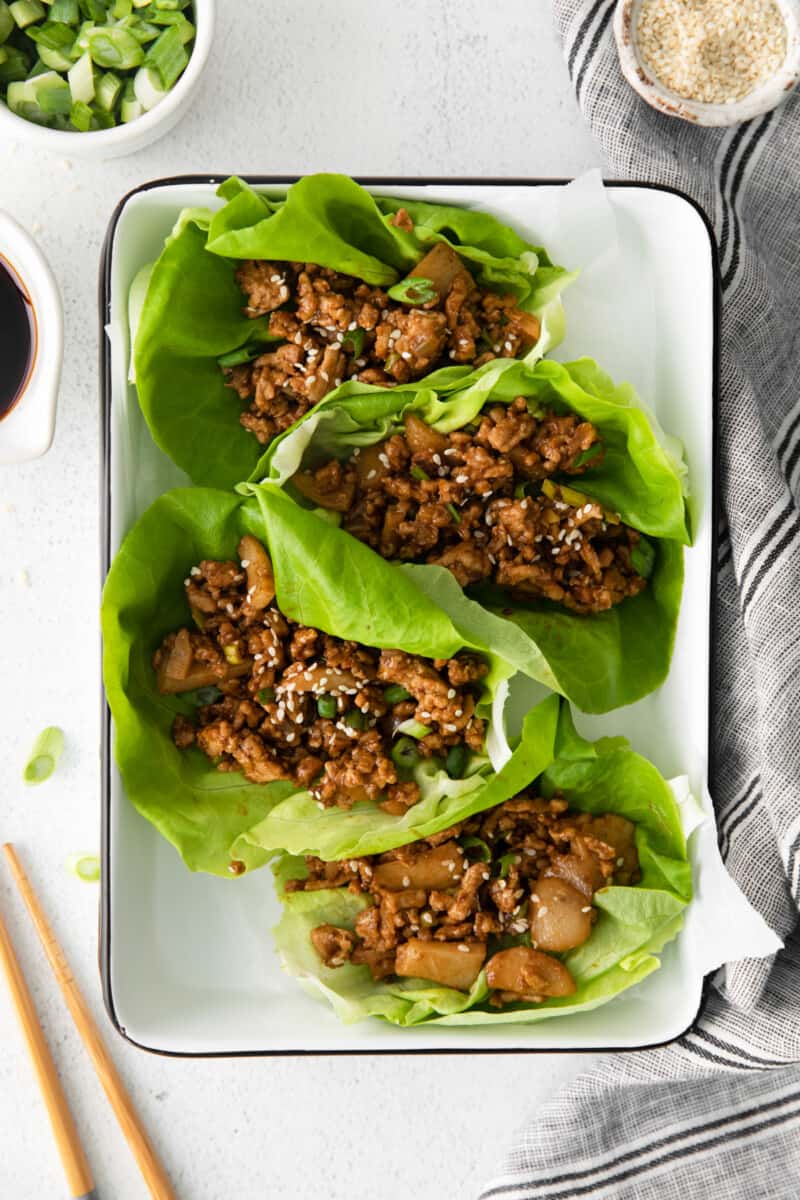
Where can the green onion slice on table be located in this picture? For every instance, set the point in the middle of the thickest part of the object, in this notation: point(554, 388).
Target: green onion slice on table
point(44, 756)
point(85, 867)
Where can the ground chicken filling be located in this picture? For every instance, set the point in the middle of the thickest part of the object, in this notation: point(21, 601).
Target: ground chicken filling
point(481, 502)
point(334, 327)
point(505, 890)
point(346, 721)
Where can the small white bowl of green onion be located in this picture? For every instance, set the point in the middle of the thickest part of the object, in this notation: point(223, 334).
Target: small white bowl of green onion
point(99, 78)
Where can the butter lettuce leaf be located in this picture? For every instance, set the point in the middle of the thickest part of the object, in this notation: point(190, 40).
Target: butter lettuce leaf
point(192, 311)
point(634, 924)
point(602, 661)
point(323, 578)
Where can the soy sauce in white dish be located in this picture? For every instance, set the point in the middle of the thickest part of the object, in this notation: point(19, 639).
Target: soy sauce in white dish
point(17, 337)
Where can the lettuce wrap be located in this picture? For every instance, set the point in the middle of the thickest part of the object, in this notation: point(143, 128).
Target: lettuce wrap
point(323, 579)
point(192, 311)
point(599, 661)
point(634, 924)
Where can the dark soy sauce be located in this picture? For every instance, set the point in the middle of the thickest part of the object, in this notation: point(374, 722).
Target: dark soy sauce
point(17, 343)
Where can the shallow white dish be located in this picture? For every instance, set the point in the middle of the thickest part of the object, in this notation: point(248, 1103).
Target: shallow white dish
point(27, 429)
point(768, 95)
point(188, 961)
point(124, 139)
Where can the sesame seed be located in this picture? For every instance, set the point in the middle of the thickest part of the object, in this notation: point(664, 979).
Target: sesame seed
point(451, 693)
point(406, 881)
point(543, 910)
point(588, 908)
point(715, 52)
point(464, 949)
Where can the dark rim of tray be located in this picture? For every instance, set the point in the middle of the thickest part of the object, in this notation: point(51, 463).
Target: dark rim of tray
point(104, 297)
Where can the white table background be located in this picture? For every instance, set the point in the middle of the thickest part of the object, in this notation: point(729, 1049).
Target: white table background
point(390, 87)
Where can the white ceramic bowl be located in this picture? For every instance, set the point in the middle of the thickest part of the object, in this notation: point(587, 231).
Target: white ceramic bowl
point(763, 98)
point(123, 139)
point(27, 430)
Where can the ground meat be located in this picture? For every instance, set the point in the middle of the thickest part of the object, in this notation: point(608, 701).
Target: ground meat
point(334, 327)
point(481, 502)
point(333, 945)
point(290, 702)
point(524, 872)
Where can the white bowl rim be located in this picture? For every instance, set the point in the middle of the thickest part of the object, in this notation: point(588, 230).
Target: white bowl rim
point(66, 140)
point(762, 99)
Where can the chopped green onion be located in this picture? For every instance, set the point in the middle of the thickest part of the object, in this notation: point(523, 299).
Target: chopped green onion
point(147, 87)
point(353, 342)
point(129, 109)
point(15, 67)
point(482, 851)
point(101, 119)
point(143, 31)
point(520, 491)
point(38, 68)
point(208, 695)
point(414, 729)
point(405, 753)
point(55, 60)
point(7, 22)
point(419, 473)
point(93, 10)
point(168, 57)
point(121, 8)
point(53, 35)
point(396, 694)
point(81, 79)
point(232, 654)
point(85, 867)
point(66, 11)
point(643, 557)
point(327, 706)
point(46, 752)
point(81, 44)
point(356, 719)
point(456, 761)
point(586, 456)
point(172, 5)
point(55, 99)
point(413, 290)
point(505, 863)
point(454, 513)
point(114, 47)
point(234, 358)
point(109, 90)
point(25, 12)
point(266, 695)
point(81, 116)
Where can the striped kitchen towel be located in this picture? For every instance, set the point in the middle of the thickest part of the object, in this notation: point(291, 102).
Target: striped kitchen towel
point(717, 1113)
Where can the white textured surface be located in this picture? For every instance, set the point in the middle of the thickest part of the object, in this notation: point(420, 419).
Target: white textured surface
point(454, 87)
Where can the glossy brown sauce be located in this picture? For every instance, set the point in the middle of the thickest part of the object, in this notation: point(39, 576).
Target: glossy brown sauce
point(17, 337)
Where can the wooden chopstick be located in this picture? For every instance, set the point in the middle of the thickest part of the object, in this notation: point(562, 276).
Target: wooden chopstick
point(153, 1173)
point(76, 1167)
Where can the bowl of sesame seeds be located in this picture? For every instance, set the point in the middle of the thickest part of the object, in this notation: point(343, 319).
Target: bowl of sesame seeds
point(711, 62)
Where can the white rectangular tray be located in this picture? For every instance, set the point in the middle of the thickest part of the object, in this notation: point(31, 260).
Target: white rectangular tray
point(188, 961)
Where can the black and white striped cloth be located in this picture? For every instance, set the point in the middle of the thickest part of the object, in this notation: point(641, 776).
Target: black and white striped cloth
point(717, 1113)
